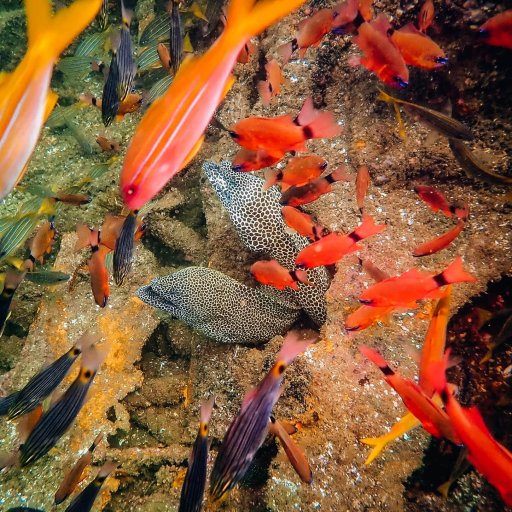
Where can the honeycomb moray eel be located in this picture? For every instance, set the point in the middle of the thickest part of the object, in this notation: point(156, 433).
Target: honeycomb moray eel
point(256, 215)
point(219, 306)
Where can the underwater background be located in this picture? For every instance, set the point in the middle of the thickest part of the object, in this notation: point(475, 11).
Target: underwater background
point(146, 396)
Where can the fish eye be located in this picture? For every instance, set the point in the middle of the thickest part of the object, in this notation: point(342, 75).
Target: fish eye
point(441, 60)
point(402, 83)
point(131, 191)
point(87, 374)
point(323, 165)
point(483, 33)
point(281, 368)
point(233, 135)
point(76, 352)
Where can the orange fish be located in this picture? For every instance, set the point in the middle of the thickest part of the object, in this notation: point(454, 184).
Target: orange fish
point(311, 32)
point(107, 145)
point(436, 200)
point(345, 16)
point(373, 271)
point(112, 226)
point(302, 223)
point(380, 54)
point(245, 53)
point(489, 457)
point(293, 451)
point(172, 129)
point(299, 171)
point(99, 275)
point(271, 87)
point(129, 105)
point(247, 160)
point(432, 353)
point(25, 96)
point(85, 237)
point(414, 285)
point(434, 420)
point(439, 243)
point(331, 248)
point(41, 244)
point(274, 274)
point(497, 31)
point(277, 135)
point(74, 199)
point(362, 184)
point(164, 56)
point(426, 15)
point(298, 195)
point(418, 49)
point(365, 9)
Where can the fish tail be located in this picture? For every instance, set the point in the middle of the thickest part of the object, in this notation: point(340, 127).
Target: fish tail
point(85, 341)
point(271, 178)
point(455, 273)
point(317, 124)
point(206, 410)
point(84, 236)
point(126, 15)
point(245, 19)
point(368, 227)
point(53, 34)
point(105, 470)
point(378, 444)
point(339, 174)
point(301, 276)
point(376, 358)
point(92, 357)
point(293, 346)
point(96, 442)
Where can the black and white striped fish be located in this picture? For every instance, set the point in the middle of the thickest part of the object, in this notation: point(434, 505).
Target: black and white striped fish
point(176, 36)
point(11, 282)
point(56, 421)
point(125, 61)
point(248, 430)
point(123, 251)
point(195, 480)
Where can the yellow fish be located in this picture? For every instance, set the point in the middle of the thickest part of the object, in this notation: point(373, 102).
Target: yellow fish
point(25, 97)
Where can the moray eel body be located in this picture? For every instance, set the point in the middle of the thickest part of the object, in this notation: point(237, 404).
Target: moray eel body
point(220, 307)
point(256, 215)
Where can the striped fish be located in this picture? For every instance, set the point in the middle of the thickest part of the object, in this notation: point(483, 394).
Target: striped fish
point(46, 381)
point(57, 420)
point(195, 479)
point(157, 30)
point(158, 89)
point(85, 500)
point(75, 67)
point(176, 36)
point(6, 402)
point(47, 277)
point(125, 61)
point(11, 283)
point(123, 251)
point(148, 59)
point(248, 430)
point(90, 45)
point(110, 99)
point(103, 16)
point(74, 475)
point(17, 233)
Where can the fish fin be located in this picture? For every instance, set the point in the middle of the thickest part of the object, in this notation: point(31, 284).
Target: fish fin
point(320, 124)
point(293, 345)
point(51, 101)
point(126, 15)
point(193, 152)
point(368, 227)
point(83, 233)
point(55, 33)
point(455, 273)
point(271, 178)
point(187, 44)
point(85, 341)
point(93, 357)
point(206, 410)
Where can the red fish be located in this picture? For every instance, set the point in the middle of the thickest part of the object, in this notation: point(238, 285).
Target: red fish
point(418, 49)
point(299, 171)
point(304, 194)
point(437, 201)
point(380, 55)
point(344, 14)
point(99, 275)
point(302, 223)
point(489, 457)
point(434, 420)
point(246, 160)
point(331, 248)
point(362, 184)
point(129, 105)
point(365, 9)
point(311, 32)
point(273, 274)
point(245, 53)
point(271, 87)
point(414, 285)
point(426, 15)
point(277, 135)
point(108, 145)
point(439, 243)
point(172, 129)
point(41, 244)
point(497, 31)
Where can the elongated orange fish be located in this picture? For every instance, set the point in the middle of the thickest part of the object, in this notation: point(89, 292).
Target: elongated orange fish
point(414, 285)
point(439, 243)
point(277, 135)
point(426, 15)
point(41, 244)
point(331, 248)
point(418, 49)
point(302, 223)
point(436, 200)
point(246, 160)
point(381, 56)
point(434, 420)
point(497, 31)
point(298, 195)
point(25, 96)
point(489, 457)
point(362, 184)
point(271, 87)
point(171, 132)
point(298, 171)
point(274, 274)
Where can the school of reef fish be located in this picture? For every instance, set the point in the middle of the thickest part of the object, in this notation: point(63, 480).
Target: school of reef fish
point(266, 184)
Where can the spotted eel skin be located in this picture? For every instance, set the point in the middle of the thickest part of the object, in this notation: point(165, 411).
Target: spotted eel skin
point(256, 215)
point(219, 306)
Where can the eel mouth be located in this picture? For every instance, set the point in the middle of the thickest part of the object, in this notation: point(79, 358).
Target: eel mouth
point(148, 295)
